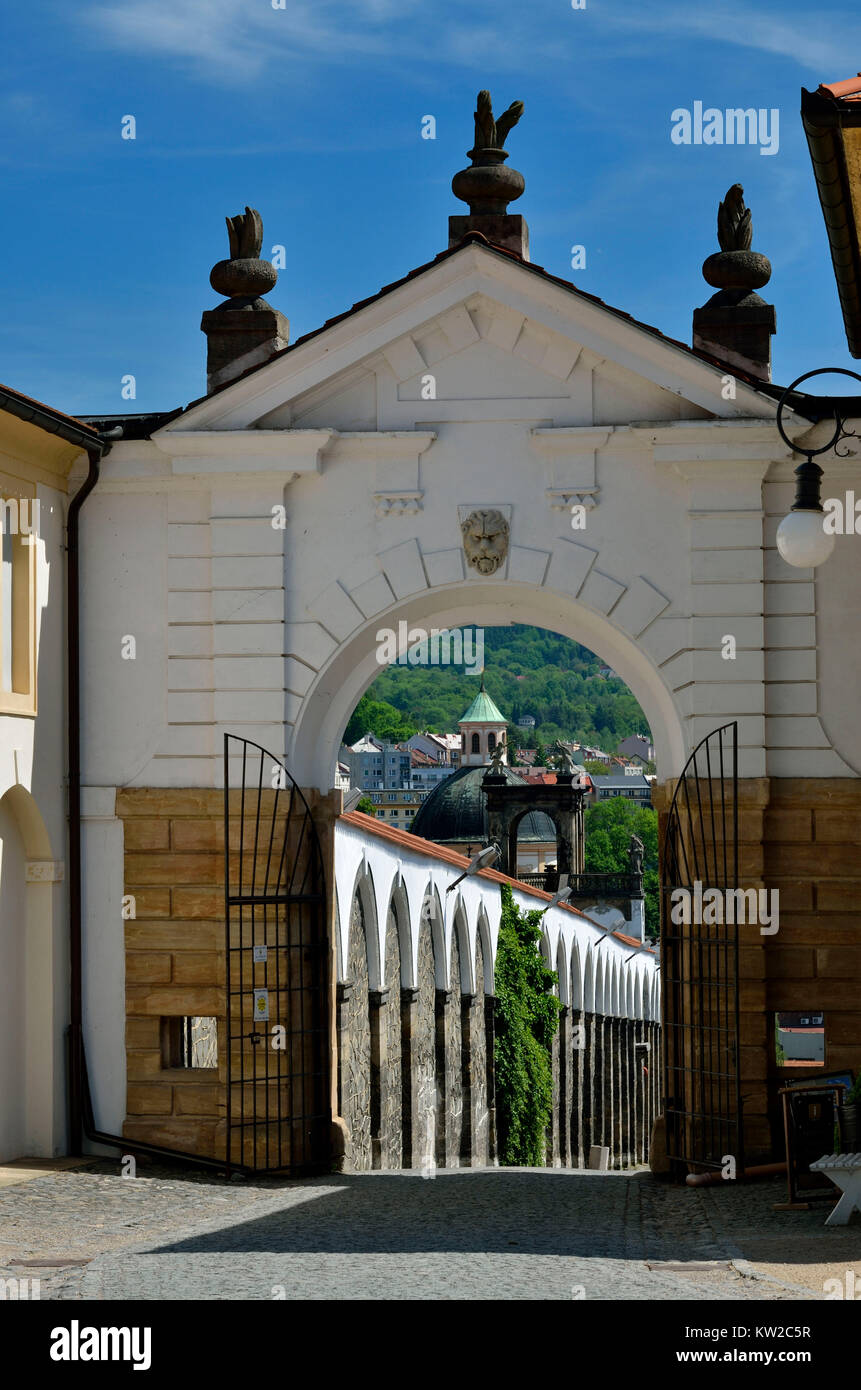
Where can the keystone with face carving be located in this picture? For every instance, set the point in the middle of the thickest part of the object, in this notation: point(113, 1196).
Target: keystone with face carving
point(485, 540)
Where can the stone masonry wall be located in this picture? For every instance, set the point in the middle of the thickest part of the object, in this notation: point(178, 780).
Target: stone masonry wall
point(432, 1048)
point(801, 837)
point(175, 956)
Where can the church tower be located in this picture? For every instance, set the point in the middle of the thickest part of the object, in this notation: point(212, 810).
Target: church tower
point(482, 729)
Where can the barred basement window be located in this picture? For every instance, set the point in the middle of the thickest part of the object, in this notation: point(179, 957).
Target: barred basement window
point(190, 1042)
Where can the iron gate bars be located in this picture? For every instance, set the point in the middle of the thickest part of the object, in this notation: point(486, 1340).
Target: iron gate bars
point(277, 1069)
point(699, 960)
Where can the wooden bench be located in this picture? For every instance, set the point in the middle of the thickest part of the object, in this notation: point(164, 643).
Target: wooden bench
point(844, 1170)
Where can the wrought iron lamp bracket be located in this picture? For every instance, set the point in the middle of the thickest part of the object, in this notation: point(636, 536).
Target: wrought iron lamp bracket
point(808, 473)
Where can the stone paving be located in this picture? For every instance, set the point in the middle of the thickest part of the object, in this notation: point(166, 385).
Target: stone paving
point(477, 1234)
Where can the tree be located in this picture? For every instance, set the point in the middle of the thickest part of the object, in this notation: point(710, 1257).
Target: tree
point(527, 668)
point(365, 804)
point(596, 768)
point(540, 759)
point(527, 1016)
point(608, 827)
point(382, 719)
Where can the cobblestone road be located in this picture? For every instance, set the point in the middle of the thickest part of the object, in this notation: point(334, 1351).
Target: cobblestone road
point(479, 1234)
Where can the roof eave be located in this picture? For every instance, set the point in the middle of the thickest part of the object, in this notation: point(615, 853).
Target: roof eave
point(44, 417)
point(824, 119)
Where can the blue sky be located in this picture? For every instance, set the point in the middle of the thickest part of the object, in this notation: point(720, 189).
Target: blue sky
point(312, 113)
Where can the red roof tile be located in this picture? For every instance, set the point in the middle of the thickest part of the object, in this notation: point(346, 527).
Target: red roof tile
point(850, 90)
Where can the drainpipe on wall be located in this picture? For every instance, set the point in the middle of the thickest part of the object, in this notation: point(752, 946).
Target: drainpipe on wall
point(76, 1039)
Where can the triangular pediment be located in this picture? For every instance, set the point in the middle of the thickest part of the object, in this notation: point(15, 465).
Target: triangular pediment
point(476, 335)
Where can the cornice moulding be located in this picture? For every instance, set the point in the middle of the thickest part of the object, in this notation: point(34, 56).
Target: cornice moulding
point(570, 439)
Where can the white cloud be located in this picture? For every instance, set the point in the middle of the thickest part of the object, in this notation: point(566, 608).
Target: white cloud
point(817, 41)
point(235, 41)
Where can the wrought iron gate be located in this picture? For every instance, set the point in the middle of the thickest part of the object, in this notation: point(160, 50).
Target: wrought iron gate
point(699, 960)
point(278, 1103)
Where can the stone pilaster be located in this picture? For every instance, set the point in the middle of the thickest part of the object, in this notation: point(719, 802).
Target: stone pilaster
point(409, 1077)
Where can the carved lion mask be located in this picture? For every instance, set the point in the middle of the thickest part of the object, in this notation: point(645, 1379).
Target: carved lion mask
point(485, 540)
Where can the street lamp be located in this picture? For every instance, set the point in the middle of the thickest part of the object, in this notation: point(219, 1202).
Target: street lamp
point(482, 860)
point(801, 537)
point(562, 896)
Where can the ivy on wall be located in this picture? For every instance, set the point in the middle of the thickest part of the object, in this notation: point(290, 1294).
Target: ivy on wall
point(527, 1016)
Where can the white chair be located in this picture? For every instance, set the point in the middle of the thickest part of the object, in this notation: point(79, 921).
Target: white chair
point(844, 1170)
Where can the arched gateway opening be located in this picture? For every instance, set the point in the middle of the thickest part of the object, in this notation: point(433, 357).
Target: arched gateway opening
point(355, 664)
point(442, 1036)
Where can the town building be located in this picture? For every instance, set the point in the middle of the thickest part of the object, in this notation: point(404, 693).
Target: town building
point(442, 748)
point(427, 774)
point(633, 786)
point(455, 815)
point(403, 509)
point(482, 730)
point(375, 766)
point(637, 748)
point(397, 808)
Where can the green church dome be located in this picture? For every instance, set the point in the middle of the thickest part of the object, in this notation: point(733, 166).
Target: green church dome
point(456, 812)
point(482, 710)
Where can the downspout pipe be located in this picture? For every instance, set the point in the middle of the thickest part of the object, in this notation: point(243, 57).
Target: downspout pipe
point(95, 452)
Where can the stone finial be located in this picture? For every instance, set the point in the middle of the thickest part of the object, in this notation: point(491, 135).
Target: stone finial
point(736, 325)
point(487, 186)
point(490, 134)
point(244, 276)
point(245, 234)
point(244, 331)
point(735, 266)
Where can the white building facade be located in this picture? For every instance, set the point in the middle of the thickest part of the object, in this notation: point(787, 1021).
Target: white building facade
point(257, 542)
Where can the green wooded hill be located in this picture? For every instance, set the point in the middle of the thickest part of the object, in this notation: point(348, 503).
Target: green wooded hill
point(527, 671)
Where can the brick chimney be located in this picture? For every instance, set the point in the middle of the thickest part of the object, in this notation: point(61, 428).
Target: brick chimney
point(244, 331)
point(488, 187)
point(736, 325)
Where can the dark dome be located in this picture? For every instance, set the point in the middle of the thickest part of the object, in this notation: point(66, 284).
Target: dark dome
point(456, 812)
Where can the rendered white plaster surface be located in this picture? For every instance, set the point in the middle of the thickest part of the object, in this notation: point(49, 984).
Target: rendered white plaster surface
point(271, 633)
point(33, 900)
point(379, 868)
point(538, 390)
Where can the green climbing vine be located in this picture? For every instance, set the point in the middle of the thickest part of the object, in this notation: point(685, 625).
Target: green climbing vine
point(527, 1016)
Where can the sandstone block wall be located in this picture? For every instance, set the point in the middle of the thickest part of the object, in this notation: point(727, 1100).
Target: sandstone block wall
point(801, 837)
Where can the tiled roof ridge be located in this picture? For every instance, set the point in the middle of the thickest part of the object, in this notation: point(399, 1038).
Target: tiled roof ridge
point(478, 238)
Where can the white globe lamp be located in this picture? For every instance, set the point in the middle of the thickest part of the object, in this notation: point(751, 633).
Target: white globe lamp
point(801, 539)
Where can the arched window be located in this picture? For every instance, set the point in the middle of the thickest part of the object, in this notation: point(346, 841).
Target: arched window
point(476, 746)
point(491, 742)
